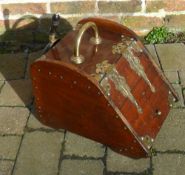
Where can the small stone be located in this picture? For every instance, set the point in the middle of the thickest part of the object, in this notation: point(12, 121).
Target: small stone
point(16, 93)
point(171, 135)
point(13, 120)
point(39, 154)
point(6, 167)
point(81, 167)
point(9, 146)
point(165, 164)
point(81, 146)
point(120, 163)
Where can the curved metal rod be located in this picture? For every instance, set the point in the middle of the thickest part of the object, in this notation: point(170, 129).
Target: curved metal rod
point(77, 58)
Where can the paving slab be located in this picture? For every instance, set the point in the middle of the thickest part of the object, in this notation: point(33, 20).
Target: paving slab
point(13, 120)
point(172, 76)
point(81, 167)
point(31, 58)
point(169, 164)
point(171, 136)
point(179, 91)
point(171, 56)
point(9, 146)
point(182, 77)
point(39, 154)
point(81, 146)
point(6, 167)
point(16, 93)
point(12, 66)
point(120, 163)
point(1, 84)
point(152, 51)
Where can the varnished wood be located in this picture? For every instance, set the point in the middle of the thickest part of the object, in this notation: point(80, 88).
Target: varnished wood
point(68, 96)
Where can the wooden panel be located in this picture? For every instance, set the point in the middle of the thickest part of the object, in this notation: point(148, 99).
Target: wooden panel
point(68, 97)
point(69, 105)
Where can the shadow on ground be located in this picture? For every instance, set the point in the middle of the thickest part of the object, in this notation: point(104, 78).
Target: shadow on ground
point(23, 42)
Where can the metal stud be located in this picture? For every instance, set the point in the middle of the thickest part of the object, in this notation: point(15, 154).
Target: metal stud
point(159, 112)
point(125, 149)
point(135, 141)
point(36, 87)
point(169, 92)
point(125, 128)
point(108, 104)
point(174, 99)
point(120, 150)
point(117, 116)
point(38, 70)
point(132, 148)
point(171, 105)
point(74, 82)
point(61, 77)
point(89, 87)
point(49, 73)
point(99, 93)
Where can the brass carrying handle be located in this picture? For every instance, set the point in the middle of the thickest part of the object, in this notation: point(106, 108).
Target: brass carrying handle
point(77, 58)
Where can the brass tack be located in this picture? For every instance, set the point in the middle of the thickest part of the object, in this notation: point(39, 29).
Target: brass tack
point(171, 105)
point(38, 70)
point(74, 82)
point(61, 77)
point(49, 73)
point(159, 112)
point(169, 92)
point(174, 99)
